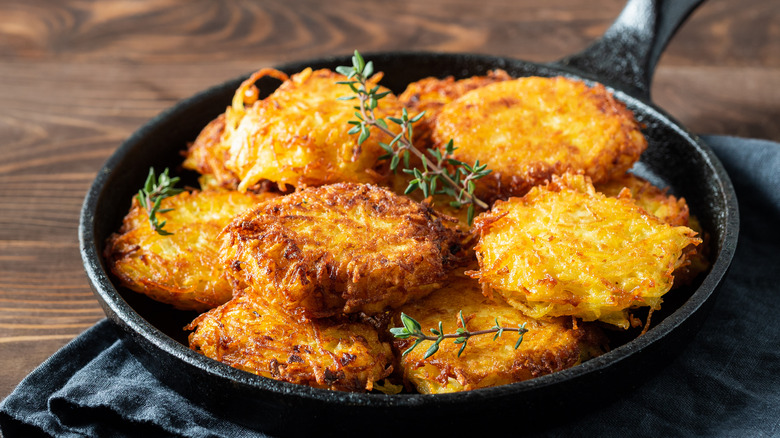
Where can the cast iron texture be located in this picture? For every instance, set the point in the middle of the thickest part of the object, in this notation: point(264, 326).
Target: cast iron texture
point(623, 60)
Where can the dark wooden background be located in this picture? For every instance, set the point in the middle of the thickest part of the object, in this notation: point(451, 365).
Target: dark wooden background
point(78, 76)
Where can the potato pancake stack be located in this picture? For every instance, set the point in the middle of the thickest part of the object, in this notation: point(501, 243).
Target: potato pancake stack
point(340, 248)
point(549, 345)
point(304, 284)
point(297, 136)
point(529, 129)
point(253, 335)
point(564, 249)
point(182, 269)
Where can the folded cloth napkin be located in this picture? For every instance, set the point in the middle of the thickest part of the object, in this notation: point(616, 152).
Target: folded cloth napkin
point(725, 384)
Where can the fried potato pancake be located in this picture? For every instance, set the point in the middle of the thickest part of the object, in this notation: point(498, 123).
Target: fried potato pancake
point(254, 335)
point(431, 94)
point(529, 129)
point(340, 248)
point(299, 135)
point(182, 269)
point(549, 345)
point(564, 249)
point(209, 153)
point(207, 156)
point(670, 209)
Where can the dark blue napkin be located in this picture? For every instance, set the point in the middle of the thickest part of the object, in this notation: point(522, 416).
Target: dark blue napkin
point(725, 384)
point(95, 387)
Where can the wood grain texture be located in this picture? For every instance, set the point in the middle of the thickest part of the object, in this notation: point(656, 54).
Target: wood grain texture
point(78, 76)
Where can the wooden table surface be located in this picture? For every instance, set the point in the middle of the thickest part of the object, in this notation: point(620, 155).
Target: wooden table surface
point(78, 76)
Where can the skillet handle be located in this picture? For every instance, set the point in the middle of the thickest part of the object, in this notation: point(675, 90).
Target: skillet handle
point(626, 55)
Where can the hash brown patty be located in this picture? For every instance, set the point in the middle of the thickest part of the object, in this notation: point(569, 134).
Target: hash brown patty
point(340, 248)
point(253, 335)
point(566, 250)
point(183, 269)
point(531, 128)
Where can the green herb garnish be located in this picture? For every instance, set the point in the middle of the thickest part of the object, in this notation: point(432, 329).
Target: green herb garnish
point(151, 195)
point(412, 329)
point(437, 166)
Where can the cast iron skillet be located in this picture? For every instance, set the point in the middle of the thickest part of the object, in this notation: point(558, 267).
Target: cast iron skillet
point(623, 60)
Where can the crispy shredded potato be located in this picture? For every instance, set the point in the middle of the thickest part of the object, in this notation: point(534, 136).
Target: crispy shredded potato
point(254, 335)
point(431, 94)
point(207, 156)
point(209, 153)
point(564, 249)
point(549, 345)
point(301, 262)
point(182, 269)
point(670, 209)
point(340, 248)
point(297, 136)
point(529, 129)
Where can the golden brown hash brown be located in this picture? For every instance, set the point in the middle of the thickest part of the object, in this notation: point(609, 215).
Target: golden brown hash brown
point(530, 128)
point(209, 153)
point(182, 269)
point(670, 209)
point(297, 136)
point(431, 94)
point(564, 249)
point(340, 248)
point(549, 345)
point(254, 335)
point(303, 286)
point(207, 156)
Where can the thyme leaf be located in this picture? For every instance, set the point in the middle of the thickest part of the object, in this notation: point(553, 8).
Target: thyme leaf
point(441, 174)
point(150, 197)
point(412, 329)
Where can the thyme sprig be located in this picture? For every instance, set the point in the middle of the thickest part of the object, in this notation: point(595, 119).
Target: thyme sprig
point(151, 195)
point(457, 176)
point(412, 329)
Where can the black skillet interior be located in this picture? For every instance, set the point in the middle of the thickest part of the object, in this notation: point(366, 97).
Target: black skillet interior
point(674, 159)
